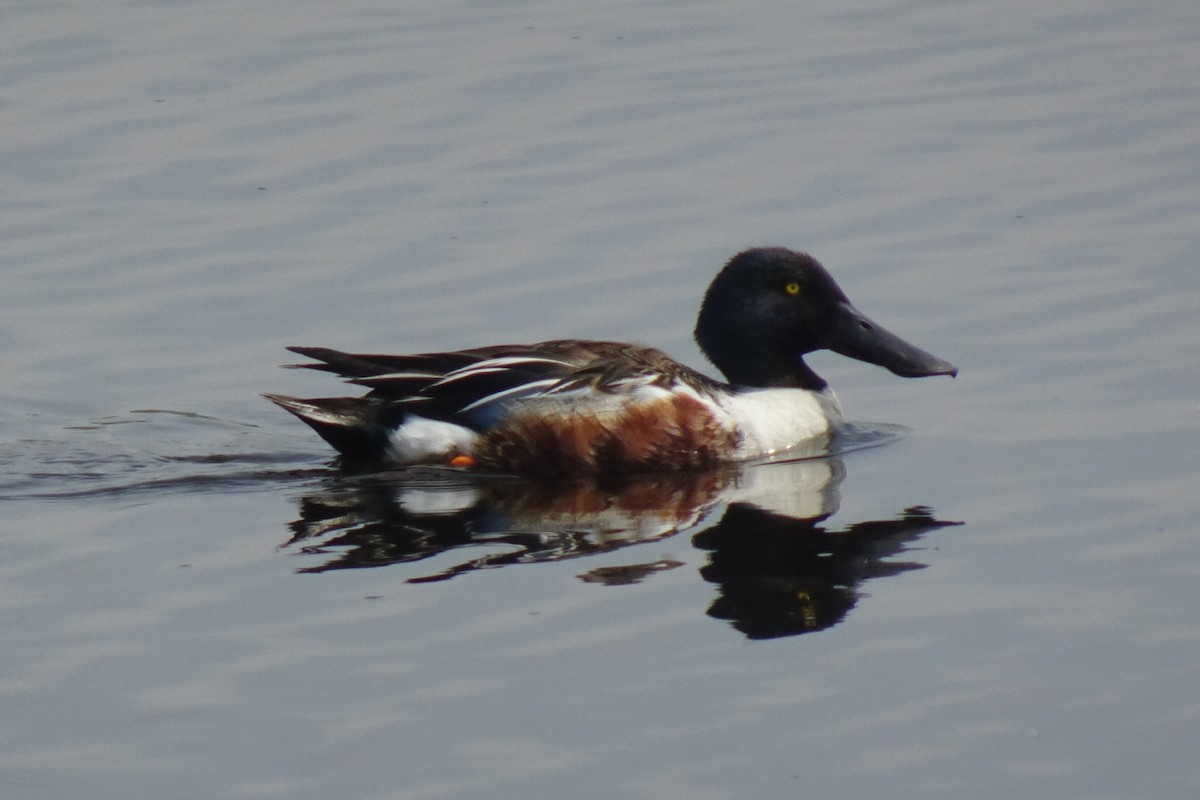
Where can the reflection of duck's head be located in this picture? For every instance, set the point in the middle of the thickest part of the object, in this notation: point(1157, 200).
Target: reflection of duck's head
point(782, 576)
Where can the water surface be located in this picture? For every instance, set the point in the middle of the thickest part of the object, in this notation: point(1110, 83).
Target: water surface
point(194, 602)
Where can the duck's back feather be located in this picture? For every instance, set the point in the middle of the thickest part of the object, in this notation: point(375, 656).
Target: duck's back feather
point(478, 388)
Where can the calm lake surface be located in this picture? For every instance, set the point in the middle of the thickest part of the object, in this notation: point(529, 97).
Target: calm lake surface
point(989, 592)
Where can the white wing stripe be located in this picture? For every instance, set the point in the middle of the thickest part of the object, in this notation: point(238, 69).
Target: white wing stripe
point(506, 362)
point(524, 387)
point(403, 376)
point(459, 375)
point(490, 366)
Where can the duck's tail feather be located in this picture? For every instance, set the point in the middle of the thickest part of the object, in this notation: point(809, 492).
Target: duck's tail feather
point(357, 427)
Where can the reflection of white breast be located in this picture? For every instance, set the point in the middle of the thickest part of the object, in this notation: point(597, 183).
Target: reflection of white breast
point(796, 489)
point(773, 420)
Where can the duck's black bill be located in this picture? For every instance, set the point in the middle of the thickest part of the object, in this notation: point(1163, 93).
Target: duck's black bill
point(856, 336)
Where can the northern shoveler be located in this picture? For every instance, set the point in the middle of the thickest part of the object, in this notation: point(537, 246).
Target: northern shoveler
point(577, 407)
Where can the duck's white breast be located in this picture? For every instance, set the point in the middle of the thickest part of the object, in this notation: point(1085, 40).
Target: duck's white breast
point(773, 420)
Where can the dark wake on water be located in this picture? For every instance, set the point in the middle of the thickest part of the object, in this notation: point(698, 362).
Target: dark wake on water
point(146, 451)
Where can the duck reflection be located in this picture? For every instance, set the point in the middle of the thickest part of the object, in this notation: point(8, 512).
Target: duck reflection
point(777, 569)
point(413, 516)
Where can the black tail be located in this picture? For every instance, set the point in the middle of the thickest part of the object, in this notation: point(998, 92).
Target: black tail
point(357, 427)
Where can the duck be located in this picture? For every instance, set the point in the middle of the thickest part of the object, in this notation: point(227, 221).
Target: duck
point(580, 408)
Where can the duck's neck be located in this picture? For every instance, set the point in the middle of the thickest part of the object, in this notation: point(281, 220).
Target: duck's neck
point(745, 355)
point(807, 379)
point(790, 372)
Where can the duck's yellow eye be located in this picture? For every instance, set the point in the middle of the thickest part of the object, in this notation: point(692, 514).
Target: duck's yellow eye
point(792, 288)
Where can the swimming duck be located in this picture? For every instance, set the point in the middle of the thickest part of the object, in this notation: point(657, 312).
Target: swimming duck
point(572, 407)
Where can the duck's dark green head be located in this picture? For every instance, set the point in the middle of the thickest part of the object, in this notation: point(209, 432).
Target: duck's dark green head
point(769, 306)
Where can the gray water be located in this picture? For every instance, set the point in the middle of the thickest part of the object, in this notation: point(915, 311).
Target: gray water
point(995, 599)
